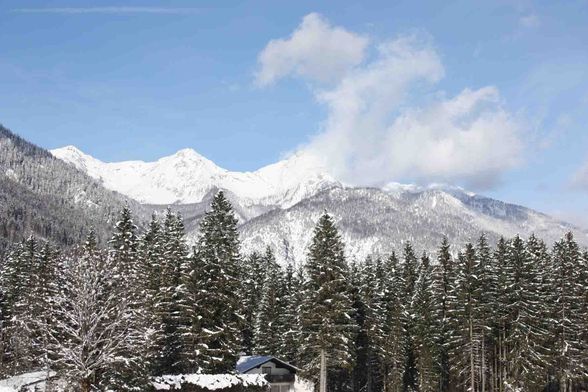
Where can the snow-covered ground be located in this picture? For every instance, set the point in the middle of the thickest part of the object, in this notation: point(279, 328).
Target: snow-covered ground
point(29, 380)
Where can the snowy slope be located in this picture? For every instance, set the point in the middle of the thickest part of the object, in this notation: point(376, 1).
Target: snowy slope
point(376, 221)
point(187, 177)
point(279, 204)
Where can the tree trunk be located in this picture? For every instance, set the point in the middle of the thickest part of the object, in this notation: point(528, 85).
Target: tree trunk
point(483, 371)
point(85, 385)
point(472, 362)
point(323, 376)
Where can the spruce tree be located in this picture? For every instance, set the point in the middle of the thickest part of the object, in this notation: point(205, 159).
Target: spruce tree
point(133, 373)
point(466, 339)
point(169, 301)
point(566, 358)
point(442, 289)
point(526, 370)
point(393, 328)
point(150, 254)
point(410, 277)
point(218, 299)
point(267, 322)
point(425, 343)
point(252, 279)
point(289, 323)
point(326, 323)
point(17, 282)
point(483, 320)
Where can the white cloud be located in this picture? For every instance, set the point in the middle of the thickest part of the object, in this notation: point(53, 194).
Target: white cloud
point(374, 133)
point(468, 138)
point(315, 50)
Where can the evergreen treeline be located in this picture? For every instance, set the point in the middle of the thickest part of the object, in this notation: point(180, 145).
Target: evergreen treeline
point(510, 317)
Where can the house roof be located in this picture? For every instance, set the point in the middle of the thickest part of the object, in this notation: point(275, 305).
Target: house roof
point(246, 363)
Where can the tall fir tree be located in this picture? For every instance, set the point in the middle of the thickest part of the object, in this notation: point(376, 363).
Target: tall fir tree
point(466, 341)
point(393, 328)
point(427, 355)
point(150, 254)
point(410, 276)
point(17, 282)
point(218, 300)
point(483, 320)
point(170, 313)
point(267, 321)
point(252, 280)
point(444, 280)
point(326, 323)
point(133, 373)
point(566, 358)
point(289, 323)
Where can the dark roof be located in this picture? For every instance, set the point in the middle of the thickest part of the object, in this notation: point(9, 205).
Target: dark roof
point(250, 362)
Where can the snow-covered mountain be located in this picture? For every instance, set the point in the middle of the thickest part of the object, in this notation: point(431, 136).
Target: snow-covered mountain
point(278, 205)
point(186, 177)
point(376, 222)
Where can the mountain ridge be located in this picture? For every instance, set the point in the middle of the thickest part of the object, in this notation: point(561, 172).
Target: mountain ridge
point(186, 177)
point(372, 220)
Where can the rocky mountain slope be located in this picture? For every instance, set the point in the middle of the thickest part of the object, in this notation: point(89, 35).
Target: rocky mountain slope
point(279, 205)
point(376, 221)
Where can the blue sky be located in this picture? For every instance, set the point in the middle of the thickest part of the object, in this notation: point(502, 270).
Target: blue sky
point(143, 79)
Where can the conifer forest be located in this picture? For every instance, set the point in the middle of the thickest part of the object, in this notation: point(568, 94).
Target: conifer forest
point(488, 317)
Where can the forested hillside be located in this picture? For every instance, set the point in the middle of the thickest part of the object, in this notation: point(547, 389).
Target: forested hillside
point(497, 317)
point(45, 196)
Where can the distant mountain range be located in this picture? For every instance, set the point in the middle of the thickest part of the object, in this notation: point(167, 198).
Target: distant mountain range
point(278, 205)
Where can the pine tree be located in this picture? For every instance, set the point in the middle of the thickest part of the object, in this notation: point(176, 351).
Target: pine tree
point(483, 320)
point(218, 300)
point(361, 367)
point(289, 323)
point(566, 359)
point(36, 319)
point(252, 279)
point(426, 327)
point(525, 313)
point(500, 313)
point(17, 282)
point(267, 323)
point(326, 323)
point(170, 312)
point(444, 281)
point(393, 329)
point(150, 255)
point(133, 373)
point(466, 342)
point(410, 277)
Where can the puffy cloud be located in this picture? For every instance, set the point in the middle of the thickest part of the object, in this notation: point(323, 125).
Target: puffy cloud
point(468, 138)
point(386, 123)
point(315, 50)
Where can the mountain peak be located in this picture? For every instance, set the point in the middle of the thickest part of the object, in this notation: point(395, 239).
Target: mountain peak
point(187, 176)
point(187, 153)
point(67, 150)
